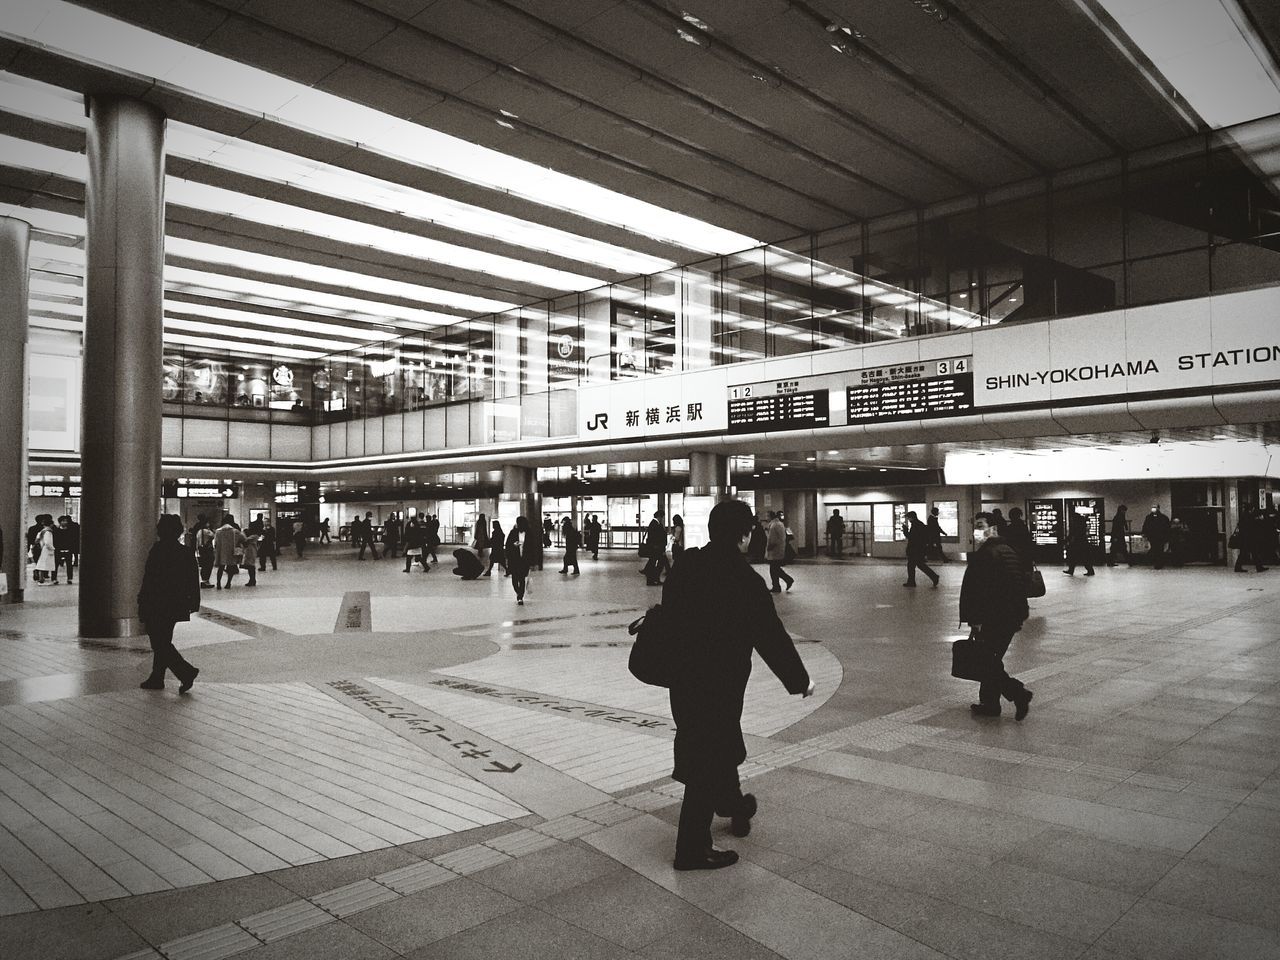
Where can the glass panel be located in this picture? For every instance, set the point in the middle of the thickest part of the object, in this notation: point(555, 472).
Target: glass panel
point(742, 330)
point(564, 343)
point(1087, 234)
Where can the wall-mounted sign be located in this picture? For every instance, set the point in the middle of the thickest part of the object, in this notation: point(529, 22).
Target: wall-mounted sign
point(1046, 522)
point(912, 391)
point(757, 412)
point(188, 488)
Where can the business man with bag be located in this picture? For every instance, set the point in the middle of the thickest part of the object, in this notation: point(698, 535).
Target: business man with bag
point(993, 601)
point(718, 611)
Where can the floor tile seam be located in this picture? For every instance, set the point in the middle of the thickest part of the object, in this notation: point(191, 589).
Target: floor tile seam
point(478, 847)
point(128, 771)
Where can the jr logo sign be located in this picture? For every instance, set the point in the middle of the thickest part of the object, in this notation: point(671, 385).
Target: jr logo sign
point(599, 422)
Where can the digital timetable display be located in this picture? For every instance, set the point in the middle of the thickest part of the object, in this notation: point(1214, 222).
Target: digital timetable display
point(910, 391)
point(781, 411)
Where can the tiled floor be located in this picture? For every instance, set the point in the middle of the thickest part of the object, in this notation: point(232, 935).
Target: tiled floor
point(380, 765)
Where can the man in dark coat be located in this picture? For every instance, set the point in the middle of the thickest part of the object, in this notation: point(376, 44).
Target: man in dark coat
point(917, 548)
point(1119, 548)
point(721, 611)
point(1078, 545)
point(993, 601)
point(1156, 528)
point(1018, 536)
point(655, 545)
point(170, 593)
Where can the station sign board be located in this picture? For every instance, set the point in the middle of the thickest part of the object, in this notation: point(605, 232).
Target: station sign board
point(780, 405)
point(911, 391)
point(186, 488)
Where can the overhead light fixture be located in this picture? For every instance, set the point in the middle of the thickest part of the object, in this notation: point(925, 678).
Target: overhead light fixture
point(688, 37)
point(505, 123)
point(690, 19)
point(832, 452)
point(87, 36)
point(811, 459)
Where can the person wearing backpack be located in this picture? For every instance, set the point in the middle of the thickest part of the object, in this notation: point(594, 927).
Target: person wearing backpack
point(719, 611)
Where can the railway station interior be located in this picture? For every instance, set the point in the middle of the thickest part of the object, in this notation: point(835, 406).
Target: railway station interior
point(337, 265)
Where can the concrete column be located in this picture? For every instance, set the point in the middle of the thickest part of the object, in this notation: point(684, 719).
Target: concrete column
point(123, 334)
point(14, 244)
point(708, 485)
point(520, 498)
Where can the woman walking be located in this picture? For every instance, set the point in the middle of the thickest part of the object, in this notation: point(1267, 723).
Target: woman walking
point(415, 536)
point(677, 539)
point(519, 549)
point(47, 562)
point(170, 593)
point(497, 549)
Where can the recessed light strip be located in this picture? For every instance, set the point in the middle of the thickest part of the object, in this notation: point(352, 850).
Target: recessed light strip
point(91, 37)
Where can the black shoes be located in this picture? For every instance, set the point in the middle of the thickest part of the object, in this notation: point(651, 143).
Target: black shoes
point(709, 859)
point(150, 684)
point(740, 825)
point(191, 678)
point(982, 710)
point(935, 580)
point(1022, 705)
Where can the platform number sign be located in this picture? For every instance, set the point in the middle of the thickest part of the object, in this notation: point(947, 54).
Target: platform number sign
point(947, 367)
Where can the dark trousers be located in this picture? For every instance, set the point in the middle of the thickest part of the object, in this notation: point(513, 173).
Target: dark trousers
point(163, 655)
point(702, 803)
point(1243, 558)
point(363, 543)
point(997, 639)
point(1078, 557)
point(230, 570)
point(392, 549)
point(1119, 552)
point(570, 560)
point(656, 566)
point(837, 545)
point(918, 563)
point(206, 564)
point(776, 571)
point(262, 561)
point(1157, 553)
point(518, 577)
point(69, 559)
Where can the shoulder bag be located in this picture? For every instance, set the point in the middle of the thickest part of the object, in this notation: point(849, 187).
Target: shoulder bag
point(1035, 583)
point(650, 661)
point(970, 658)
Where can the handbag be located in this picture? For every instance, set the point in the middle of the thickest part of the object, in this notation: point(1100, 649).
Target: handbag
point(1233, 542)
point(651, 661)
point(644, 550)
point(1035, 583)
point(970, 659)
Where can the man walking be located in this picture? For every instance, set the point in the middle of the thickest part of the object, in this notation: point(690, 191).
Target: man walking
point(1156, 528)
point(917, 546)
point(775, 552)
point(993, 601)
point(655, 544)
point(720, 613)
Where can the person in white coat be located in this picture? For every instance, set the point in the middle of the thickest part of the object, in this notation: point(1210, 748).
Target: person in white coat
point(48, 562)
point(228, 546)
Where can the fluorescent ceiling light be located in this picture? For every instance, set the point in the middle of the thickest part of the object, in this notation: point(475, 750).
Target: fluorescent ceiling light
point(1208, 52)
point(1138, 461)
point(91, 37)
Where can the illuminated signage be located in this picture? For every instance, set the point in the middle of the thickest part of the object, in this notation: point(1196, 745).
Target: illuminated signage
point(912, 391)
point(778, 411)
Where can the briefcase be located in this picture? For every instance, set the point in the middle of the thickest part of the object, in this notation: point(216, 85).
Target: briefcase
point(1035, 584)
point(971, 660)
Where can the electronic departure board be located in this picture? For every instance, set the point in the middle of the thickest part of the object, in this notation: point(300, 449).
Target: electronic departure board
point(910, 391)
point(780, 411)
point(1046, 522)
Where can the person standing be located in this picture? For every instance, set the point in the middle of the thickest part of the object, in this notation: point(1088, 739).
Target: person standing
point(571, 542)
point(66, 540)
point(47, 561)
point(835, 534)
point(1119, 547)
point(936, 533)
point(677, 539)
point(414, 538)
point(591, 536)
point(1018, 536)
point(228, 542)
point(993, 601)
point(1250, 537)
point(391, 531)
point(268, 549)
point(480, 536)
point(497, 549)
point(720, 612)
point(519, 550)
point(300, 538)
point(655, 546)
point(33, 547)
point(205, 551)
point(1156, 528)
point(1078, 545)
point(775, 551)
point(917, 546)
point(249, 558)
point(170, 594)
point(366, 536)
point(433, 537)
